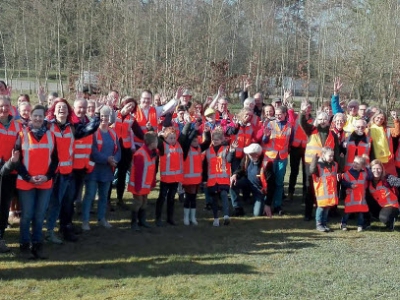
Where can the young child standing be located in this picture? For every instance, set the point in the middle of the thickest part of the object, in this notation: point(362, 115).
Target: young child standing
point(143, 179)
point(171, 173)
point(216, 162)
point(355, 183)
point(324, 174)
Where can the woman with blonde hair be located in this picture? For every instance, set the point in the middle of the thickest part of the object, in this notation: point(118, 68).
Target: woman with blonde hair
point(382, 199)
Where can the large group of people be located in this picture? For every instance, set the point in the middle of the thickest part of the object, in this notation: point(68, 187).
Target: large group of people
point(55, 156)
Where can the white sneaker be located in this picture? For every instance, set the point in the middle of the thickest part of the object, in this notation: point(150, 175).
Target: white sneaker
point(216, 223)
point(359, 229)
point(85, 226)
point(104, 223)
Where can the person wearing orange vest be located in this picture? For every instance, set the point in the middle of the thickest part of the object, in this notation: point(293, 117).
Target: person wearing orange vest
point(106, 153)
point(297, 152)
point(256, 173)
point(192, 167)
point(126, 128)
point(325, 177)
point(358, 143)
point(143, 179)
point(171, 173)
point(84, 129)
point(147, 116)
point(9, 129)
point(38, 165)
point(382, 198)
point(317, 137)
point(216, 163)
point(355, 182)
point(277, 139)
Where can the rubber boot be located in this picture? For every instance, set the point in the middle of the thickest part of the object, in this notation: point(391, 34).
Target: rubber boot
point(142, 218)
point(193, 216)
point(186, 213)
point(134, 221)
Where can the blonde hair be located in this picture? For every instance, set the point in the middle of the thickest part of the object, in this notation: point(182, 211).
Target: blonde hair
point(378, 162)
point(326, 150)
point(242, 112)
point(361, 160)
point(218, 133)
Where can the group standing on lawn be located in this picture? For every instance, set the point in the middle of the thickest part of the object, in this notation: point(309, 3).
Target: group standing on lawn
point(54, 156)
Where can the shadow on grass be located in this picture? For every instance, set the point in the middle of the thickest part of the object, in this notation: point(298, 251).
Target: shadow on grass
point(188, 250)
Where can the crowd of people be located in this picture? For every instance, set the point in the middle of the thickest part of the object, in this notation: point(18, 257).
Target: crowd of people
point(56, 157)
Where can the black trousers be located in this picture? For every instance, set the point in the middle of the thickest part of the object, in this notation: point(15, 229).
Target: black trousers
point(167, 191)
point(296, 156)
point(309, 198)
point(8, 192)
point(123, 166)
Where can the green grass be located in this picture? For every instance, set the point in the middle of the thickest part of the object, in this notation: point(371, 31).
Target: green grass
point(252, 258)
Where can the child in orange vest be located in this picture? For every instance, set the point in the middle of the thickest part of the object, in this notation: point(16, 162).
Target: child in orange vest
point(324, 174)
point(171, 173)
point(355, 183)
point(143, 179)
point(192, 166)
point(217, 161)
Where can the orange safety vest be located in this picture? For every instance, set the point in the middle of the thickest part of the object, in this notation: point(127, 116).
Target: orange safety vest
point(355, 197)
point(300, 137)
point(383, 195)
point(314, 145)
point(123, 129)
point(65, 146)
point(244, 137)
point(219, 170)
point(99, 139)
point(278, 141)
point(142, 121)
point(255, 121)
point(36, 157)
point(325, 186)
point(149, 172)
point(8, 137)
point(192, 167)
point(82, 151)
point(171, 163)
point(352, 149)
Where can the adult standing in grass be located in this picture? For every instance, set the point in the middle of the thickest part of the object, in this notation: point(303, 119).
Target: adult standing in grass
point(143, 179)
point(39, 162)
point(106, 153)
point(382, 197)
point(382, 139)
point(9, 129)
point(317, 137)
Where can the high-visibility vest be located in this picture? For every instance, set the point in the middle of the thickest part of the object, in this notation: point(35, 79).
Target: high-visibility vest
point(142, 121)
point(255, 121)
point(123, 129)
point(99, 139)
point(390, 144)
point(36, 157)
point(82, 151)
point(383, 195)
point(149, 172)
point(192, 167)
point(278, 141)
point(219, 170)
point(243, 137)
point(171, 163)
point(352, 149)
point(300, 137)
point(65, 147)
point(314, 145)
point(8, 138)
point(355, 197)
point(325, 186)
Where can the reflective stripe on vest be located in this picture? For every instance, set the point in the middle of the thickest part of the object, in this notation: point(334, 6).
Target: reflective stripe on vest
point(300, 137)
point(142, 121)
point(36, 157)
point(355, 199)
point(192, 173)
point(170, 169)
point(147, 176)
point(243, 138)
point(82, 151)
point(278, 141)
point(8, 137)
point(99, 139)
point(65, 144)
point(325, 186)
point(123, 129)
point(383, 195)
point(352, 149)
point(314, 145)
point(218, 168)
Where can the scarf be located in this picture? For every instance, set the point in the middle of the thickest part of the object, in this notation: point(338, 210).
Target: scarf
point(380, 142)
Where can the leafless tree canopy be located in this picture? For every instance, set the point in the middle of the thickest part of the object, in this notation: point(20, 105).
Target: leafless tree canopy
point(160, 44)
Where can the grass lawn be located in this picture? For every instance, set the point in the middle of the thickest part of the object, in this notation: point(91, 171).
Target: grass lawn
point(252, 258)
